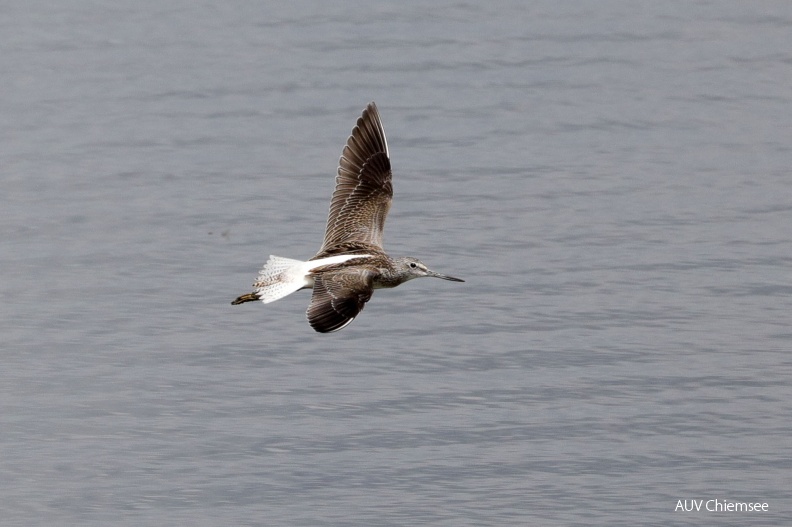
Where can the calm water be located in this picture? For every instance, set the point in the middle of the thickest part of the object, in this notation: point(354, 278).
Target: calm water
point(611, 178)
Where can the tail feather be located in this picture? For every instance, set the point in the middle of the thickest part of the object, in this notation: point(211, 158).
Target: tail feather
point(274, 268)
point(280, 277)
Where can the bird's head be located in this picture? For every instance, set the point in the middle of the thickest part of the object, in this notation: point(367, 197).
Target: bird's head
point(414, 268)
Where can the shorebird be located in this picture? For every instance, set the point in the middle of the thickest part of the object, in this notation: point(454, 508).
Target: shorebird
point(351, 262)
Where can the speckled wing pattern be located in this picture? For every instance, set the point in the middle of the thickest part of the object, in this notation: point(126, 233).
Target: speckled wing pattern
point(363, 190)
point(338, 296)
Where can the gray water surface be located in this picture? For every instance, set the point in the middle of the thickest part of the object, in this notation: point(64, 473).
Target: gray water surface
point(611, 179)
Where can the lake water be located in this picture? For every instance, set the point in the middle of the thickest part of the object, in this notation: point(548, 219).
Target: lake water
point(612, 179)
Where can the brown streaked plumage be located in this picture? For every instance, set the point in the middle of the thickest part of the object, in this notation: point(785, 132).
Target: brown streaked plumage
point(351, 262)
point(363, 191)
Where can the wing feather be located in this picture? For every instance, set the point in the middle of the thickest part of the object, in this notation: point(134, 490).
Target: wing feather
point(363, 191)
point(338, 297)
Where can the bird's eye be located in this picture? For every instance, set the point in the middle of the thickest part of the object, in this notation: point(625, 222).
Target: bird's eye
point(412, 264)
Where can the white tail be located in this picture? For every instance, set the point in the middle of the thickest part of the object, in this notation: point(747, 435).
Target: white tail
point(283, 276)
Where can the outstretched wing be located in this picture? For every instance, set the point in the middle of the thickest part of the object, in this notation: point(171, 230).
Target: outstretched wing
point(338, 297)
point(363, 191)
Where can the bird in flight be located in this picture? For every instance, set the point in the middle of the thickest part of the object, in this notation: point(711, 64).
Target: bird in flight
point(351, 263)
